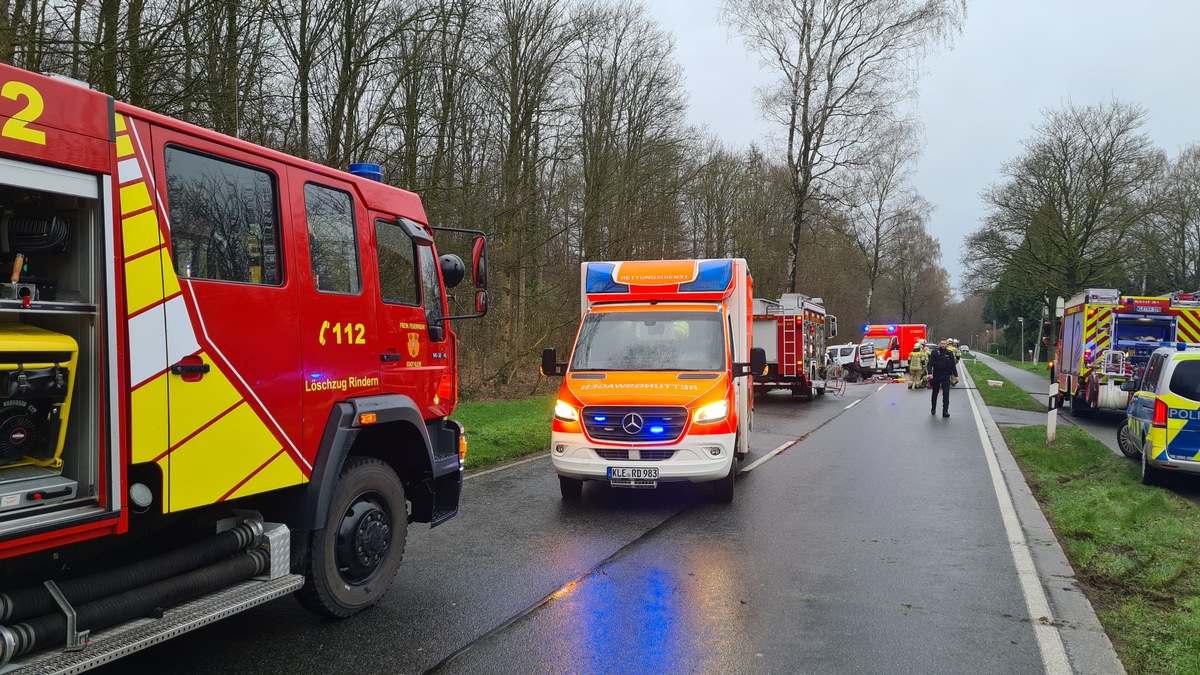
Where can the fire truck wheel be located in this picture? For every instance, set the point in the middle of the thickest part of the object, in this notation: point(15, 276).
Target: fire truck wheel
point(571, 488)
point(1080, 407)
point(1125, 442)
point(353, 560)
point(723, 488)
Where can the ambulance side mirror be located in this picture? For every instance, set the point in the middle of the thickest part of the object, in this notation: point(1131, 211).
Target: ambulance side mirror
point(757, 366)
point(550, 365)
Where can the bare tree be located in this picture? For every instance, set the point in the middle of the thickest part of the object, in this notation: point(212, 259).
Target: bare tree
point(882, 204)
point(843, 66)
point(916, 283)
point(1069, 203)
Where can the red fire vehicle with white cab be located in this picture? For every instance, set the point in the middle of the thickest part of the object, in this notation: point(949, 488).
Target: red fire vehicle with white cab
point(885, 347)
point(227, 375)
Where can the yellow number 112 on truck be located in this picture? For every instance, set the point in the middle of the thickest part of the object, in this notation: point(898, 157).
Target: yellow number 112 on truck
point(227, 375)
point(657, 387)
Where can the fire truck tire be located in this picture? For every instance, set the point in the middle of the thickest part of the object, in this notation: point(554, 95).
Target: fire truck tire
point(571, 488)
point(1080, 407)
point(1125, 442)
point(723, 488)
point(352, 561)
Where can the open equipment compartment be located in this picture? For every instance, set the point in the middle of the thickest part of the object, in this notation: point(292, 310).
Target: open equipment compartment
point(50, 327)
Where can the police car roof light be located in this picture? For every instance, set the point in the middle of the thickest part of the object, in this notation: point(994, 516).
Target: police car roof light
point(1181, 346)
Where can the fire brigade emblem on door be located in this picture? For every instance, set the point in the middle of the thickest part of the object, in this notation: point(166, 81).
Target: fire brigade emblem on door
point(414, 344)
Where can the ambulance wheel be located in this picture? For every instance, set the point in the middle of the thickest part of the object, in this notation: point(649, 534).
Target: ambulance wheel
point(571, 488)
point(723, 488)
point(1150, 475)
point(1125, 442)
point(353, 560)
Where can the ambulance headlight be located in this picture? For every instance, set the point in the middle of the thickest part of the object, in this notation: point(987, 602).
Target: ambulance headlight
point(564, 412)
point(713, 412)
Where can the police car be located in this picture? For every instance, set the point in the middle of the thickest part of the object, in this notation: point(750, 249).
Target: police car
point(1162, 425)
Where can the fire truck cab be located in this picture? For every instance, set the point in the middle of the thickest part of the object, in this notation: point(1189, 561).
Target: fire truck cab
point(202, 339)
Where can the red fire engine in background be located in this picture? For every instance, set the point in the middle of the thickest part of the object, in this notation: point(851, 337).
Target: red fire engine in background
point(197, 331)
point(793, 331)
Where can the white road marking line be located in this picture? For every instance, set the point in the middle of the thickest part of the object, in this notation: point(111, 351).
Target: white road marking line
point(882, 386)
point(507, 466)
point(769, 455)
point(853, 404)
point(1054, 655)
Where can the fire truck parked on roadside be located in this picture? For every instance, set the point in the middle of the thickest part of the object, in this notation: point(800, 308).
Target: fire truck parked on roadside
point(227, 372)
point(885, 347)
point(1107, 338)
point(657, 386)
point(793, 331)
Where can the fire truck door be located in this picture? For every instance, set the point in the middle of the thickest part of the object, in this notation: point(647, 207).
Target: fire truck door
point(413, 342)
point(230, 313)
point(334, 276)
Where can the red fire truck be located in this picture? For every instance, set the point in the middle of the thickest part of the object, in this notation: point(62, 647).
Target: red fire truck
point(227, 374)
point(1106, 338)
point(793, 331)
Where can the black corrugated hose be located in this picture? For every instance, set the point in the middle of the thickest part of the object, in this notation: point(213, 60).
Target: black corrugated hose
point(36, 601)
point(51, 630)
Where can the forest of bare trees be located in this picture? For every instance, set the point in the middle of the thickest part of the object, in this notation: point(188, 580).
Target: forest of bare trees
point(558, 127)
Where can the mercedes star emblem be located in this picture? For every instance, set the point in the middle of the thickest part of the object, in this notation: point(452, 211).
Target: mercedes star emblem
point(632, 423)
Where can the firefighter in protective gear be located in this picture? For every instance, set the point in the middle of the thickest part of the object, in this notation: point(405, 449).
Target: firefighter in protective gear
point(952, 345)
point(916, 365)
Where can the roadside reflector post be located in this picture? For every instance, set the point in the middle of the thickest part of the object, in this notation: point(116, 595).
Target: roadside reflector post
point(1051, 413)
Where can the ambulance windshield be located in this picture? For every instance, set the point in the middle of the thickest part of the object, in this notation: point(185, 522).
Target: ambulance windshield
point(667, 340)
point(879, 342)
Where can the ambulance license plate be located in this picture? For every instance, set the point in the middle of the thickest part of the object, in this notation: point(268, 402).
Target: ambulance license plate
point(627, 472)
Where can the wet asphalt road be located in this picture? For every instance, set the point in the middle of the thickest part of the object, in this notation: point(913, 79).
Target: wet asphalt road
point(873, 545)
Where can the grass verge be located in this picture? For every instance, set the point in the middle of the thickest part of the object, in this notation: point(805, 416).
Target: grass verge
point(1134, 548)
point(1007, 396)
point(1038, 367)
point(501, 430)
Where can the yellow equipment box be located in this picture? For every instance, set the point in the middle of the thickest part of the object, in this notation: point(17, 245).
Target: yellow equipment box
point(37, 377)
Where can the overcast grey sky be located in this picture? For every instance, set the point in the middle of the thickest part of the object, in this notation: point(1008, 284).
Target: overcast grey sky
point(980, 99)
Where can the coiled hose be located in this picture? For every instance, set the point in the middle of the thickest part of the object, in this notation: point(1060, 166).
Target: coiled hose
point(51, 630)
point(36, 601)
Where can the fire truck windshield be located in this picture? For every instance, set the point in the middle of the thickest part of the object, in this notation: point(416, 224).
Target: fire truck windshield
point(666, 340)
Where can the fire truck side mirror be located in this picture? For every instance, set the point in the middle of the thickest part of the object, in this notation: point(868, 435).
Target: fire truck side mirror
point(479, 262)
point(481, 302)
point(830, 327)
point(550, 364)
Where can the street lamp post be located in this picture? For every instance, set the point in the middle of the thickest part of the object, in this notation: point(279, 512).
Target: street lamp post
point(1021, 320)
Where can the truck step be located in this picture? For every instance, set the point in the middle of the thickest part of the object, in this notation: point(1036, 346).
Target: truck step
point(24, 486)
point(113, 643)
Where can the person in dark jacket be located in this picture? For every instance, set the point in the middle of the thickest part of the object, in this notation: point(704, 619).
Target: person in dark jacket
point(942, 367)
